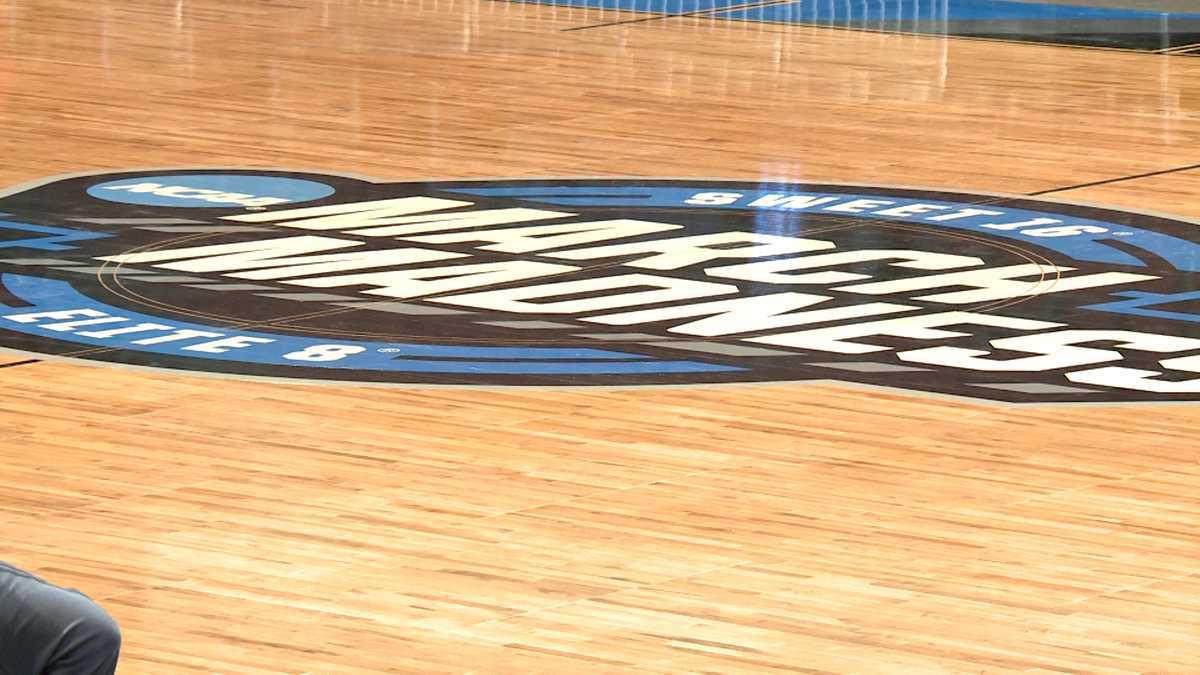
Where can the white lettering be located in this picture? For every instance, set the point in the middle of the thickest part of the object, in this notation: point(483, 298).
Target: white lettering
point(909, 210)
point(922, 327)
point(202, 194)
point(791, 201)
point(545, 237)
point(743, 315)
point(1064, 231)
point(34, 317)
point(455, 221)
point(963, 213)
point(224, 345)
point(1056, 350)
point(1139, 380)
point(67, 326)
point(179, 334)
point(858, 205)
point(678, 252)
point(267, 254)
point(426, 280)
point(393, 217)
point(518, 300)
point(1019, 225)
point(187, 193)
point(354, 214)
point(137, 187)
point(320, 353)
point(997, 283)
point(713, 198)
point(113, 332)
point(769, 271)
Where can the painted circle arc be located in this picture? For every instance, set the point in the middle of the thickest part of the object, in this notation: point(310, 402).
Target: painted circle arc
point(602, 282)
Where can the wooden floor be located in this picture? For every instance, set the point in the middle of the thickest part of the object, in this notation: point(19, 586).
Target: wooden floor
point(250, 527)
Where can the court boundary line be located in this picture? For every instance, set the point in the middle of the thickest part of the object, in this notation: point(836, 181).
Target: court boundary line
point(699, 13)
point(711, 13)
point(934, 36)
point(1121, 179)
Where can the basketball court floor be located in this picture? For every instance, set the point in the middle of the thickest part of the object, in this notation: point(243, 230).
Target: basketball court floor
point(622, 336)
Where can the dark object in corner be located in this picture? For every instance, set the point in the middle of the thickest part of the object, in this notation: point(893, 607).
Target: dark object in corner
point(47, 630)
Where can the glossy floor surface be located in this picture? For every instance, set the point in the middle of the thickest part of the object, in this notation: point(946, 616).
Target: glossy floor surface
point(261, 527)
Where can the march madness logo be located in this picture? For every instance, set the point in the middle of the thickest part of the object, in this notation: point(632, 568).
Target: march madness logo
point(602, 282)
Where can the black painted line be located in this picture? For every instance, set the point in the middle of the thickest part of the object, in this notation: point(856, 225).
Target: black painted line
point(945, 36)
point(640, 19)
point(715, 12)
point(19, 363)
point(1109, 181)
point(694, 13)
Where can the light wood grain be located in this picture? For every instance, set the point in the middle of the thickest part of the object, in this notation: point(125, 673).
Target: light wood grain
point(241, 527)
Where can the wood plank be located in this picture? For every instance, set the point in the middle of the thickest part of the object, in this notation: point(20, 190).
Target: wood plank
point(250, 527)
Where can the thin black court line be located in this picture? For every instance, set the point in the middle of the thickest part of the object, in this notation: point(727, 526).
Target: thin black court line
point(698, 12)
point(19, 363)
point(715, 12)
point(640, 19)
point(950, 36)
point(1135, 176)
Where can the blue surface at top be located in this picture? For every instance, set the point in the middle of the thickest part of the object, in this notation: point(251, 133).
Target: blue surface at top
point(647, 6)
point(823, 11)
